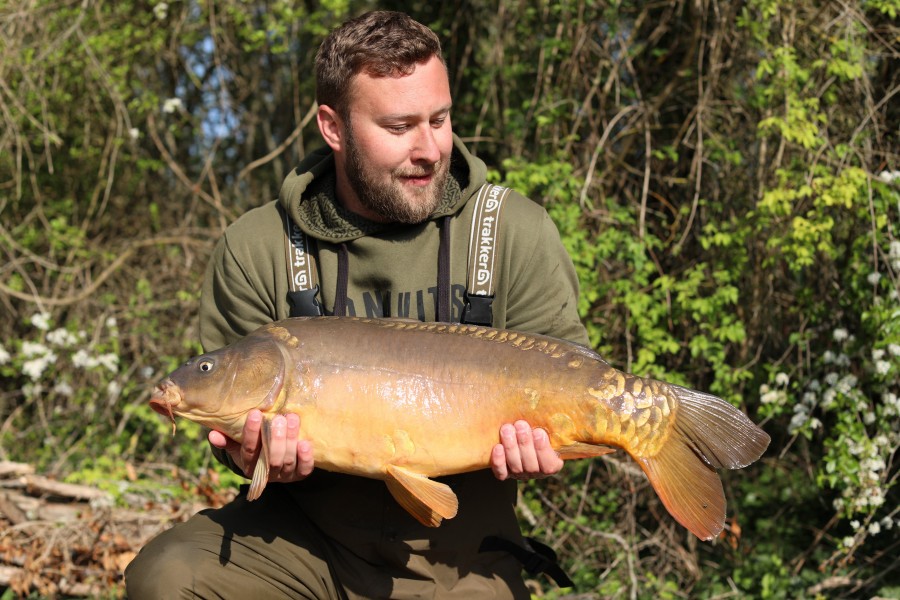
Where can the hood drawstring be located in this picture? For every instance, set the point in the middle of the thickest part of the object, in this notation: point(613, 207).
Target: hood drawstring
point(340, 294)
point(443, 277)
point(443, 272)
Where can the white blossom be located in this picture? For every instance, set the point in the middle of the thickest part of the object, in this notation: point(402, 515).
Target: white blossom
point(882, 367)
point(894, 349)
point(797, 421)
point(828, 398)
point(772, 397)
point(62, 338)
point(840, 334)
point(4, 356)
point(110, 361)
point(84, 360)
point(171, 105)
point(888, 176)
point(894, 250)
point(63, 389)
point(874, 277)
point(161, 11)
point(877, 354)
point(782, 379)
point(134, 133)
point(847, 384)
point(35, 367)
point(32, 349)
point(847, 542)
point(41, 321)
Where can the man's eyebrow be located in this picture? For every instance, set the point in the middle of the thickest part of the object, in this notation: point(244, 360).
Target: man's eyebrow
point(406, 116)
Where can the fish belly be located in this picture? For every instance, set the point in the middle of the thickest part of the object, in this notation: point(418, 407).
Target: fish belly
point(430, 402)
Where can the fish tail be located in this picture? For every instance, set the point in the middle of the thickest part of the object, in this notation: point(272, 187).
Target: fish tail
point(706, 434)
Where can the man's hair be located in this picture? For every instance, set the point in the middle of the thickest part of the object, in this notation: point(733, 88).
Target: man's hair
point(379, 43)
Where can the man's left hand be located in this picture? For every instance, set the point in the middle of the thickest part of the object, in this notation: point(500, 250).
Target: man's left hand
point(524, 453)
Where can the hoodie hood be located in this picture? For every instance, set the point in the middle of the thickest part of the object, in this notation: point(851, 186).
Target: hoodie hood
point(308, 195)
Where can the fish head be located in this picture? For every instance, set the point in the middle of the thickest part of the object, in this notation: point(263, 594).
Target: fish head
point(218, 389)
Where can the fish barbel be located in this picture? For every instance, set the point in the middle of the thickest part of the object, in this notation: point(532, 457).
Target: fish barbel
point(405, 401)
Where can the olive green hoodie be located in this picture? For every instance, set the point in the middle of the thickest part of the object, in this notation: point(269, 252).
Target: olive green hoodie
point(392, 268)
point(392, 272)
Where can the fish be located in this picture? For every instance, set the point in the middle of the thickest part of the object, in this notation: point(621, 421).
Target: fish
point(408, 401)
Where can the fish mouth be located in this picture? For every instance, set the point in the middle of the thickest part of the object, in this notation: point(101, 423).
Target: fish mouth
point(166, 396)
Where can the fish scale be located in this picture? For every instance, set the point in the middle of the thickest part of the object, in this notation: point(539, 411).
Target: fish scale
point(405, 402)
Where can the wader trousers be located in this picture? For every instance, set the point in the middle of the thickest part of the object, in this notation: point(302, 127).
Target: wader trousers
point(269, 548)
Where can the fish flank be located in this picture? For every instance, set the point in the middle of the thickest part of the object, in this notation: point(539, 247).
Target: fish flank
point(372, 412)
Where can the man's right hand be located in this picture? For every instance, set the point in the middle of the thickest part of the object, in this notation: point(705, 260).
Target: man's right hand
point(290, 459)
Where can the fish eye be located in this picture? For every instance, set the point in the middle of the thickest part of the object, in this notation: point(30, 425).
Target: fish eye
point(206, 366)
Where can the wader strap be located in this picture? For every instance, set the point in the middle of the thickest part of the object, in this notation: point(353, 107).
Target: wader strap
point(304, 285)
point(482, 255)
point(534, 556)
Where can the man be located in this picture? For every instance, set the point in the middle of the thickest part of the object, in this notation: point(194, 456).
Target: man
point(386, 202)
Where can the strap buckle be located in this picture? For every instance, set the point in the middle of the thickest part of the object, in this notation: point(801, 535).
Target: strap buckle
point(477, 310)
point(305, 303)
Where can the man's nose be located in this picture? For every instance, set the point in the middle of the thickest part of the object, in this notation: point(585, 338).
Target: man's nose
point(425, 148)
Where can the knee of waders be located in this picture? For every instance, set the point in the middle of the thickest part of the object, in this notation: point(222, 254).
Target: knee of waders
point(163, 571)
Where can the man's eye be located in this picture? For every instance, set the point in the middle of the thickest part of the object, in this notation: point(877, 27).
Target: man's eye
point(397, 128)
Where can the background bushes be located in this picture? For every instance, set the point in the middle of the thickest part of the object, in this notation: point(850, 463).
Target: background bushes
point(725, 175)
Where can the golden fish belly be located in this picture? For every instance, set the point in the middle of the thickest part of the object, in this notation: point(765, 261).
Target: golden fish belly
point(370, 407)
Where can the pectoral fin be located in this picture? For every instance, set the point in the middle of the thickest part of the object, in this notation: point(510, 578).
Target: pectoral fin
point(582, 450)
point(261, 470)
point(427, 500)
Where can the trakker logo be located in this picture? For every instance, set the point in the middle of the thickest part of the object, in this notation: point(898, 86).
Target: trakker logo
point(300, 266)
point(483, 240)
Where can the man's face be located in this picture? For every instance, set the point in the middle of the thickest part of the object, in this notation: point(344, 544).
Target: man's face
point(397, 144)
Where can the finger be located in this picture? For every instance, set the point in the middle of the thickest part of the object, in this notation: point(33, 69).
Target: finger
point(219, 439)
point(304, 458)
point(277, 443)
point(511, 448)
point(525, 441)
point(498, 462)
point(292, 428)
point(550, 462)
point(250, 443)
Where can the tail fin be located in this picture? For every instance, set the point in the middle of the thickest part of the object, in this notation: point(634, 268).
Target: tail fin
point(707, 434)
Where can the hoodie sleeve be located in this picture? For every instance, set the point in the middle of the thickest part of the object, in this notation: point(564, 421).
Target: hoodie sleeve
point(542, 286)
point(242, 285)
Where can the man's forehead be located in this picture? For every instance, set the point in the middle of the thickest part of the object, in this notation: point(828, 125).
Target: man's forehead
point(425, 89)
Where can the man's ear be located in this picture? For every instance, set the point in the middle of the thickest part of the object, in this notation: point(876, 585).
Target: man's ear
point(331, 126)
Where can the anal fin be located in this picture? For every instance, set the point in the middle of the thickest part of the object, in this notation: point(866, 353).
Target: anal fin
point(577, 450)
point(427, 500)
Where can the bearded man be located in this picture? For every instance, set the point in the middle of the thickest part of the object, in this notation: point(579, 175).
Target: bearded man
point(387, 207)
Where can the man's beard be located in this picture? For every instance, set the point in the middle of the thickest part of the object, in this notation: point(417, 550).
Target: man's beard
point(388, 200)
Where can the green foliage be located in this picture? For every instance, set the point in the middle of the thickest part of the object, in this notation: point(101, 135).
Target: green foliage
point(725, 177)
